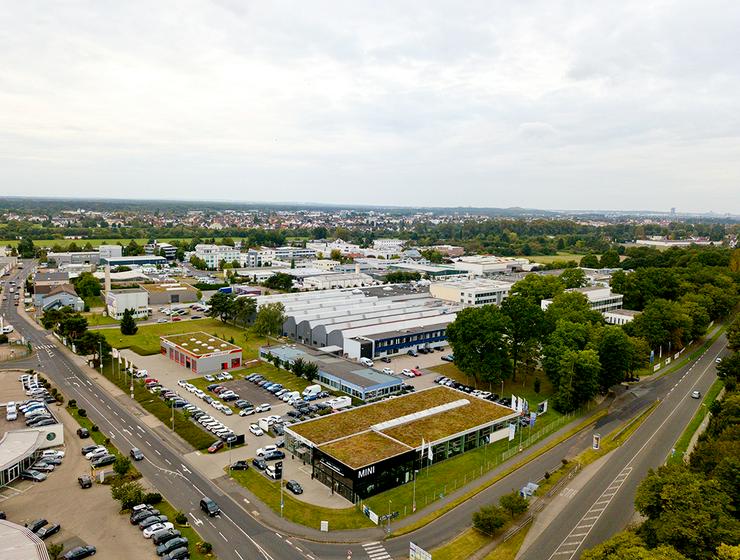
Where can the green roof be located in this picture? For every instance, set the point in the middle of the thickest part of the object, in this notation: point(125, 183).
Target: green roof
point(200, 343)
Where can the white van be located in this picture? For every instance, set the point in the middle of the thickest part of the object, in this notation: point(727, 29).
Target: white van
point(339, 403)
point(11, 412)
point(311, 390)
point(366, 362)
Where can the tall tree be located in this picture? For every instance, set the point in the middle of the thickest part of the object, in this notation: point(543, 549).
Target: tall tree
point(478, 337)
point(244, 309)
point(128, 324)
point(526, 323)
point(590, 261)
point(578, 379)
point(629, 546)
point(610, 259)
point(270, 319)
point(538, 287)
point(222, 306)
point(573, 278)
point(573, 307)
point(617, 355)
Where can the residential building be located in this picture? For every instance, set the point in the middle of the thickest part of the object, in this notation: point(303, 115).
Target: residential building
point(61, 296)
point(136, 299)
point(476, 292)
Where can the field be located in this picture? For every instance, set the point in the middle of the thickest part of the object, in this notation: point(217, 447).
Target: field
point(94, 242)
point(98, 319)
point(547, 259)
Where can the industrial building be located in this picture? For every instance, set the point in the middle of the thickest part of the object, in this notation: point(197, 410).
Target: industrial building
point(337, 373)
point(363, 451)
point(331, 281)
point(476, 292)
point(600, 298)
point(200, 352)
point(483, 265)
point(170, 292)
point(73, 257)
point(134, 261)
point(135, 299)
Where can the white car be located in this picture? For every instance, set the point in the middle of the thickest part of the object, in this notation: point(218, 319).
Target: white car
point(199, 393)
point(162, 320)
point(264, 407)
point(266, 449)
point(227, 375)
point(388, 370)
point(407, 372)
point(246, 411)
point(226, 410)
point(97, 451)
point(209, 378)
point(216, 405)
point(149, 531)
point(52, 453)
point(256, 430)
point(182, 383)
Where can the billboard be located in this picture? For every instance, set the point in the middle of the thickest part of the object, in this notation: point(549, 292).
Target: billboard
point(418, 553)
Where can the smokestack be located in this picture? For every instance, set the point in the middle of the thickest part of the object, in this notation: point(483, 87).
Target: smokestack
point(357, 268)
point(107, 278)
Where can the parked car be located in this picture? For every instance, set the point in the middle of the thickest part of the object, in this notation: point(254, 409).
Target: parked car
point(88, 448)
point(177, 554)
point(164, 535)
point(83, 433)
point(274, 456)
point(85, 481)
point(256, 430)
point(104, 461)
point(48, 530)
point(42, 466)
point(449, 357)
point(171, 545)
point(696, 394)
point(240, 466)
point(142, 514)
point(294, 487)
point(149, 521)
point(35, 476)
point(407, 372)
point(34, 526)
point(215, 446)
point(151, 530)
point(266, 449)
point(79, 552)
point(246, 411)
point(259, 464)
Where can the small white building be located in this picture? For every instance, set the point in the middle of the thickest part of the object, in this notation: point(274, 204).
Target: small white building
point(600, 298)
point(337, 280)
point(136, 299)
point(481, 265)
point(476, 292)
point(620, 316)
point(110, 251)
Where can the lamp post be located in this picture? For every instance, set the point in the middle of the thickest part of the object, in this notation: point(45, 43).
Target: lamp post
point(282, 502)
point(100, 355)
point(388, 529)
point(413, 501)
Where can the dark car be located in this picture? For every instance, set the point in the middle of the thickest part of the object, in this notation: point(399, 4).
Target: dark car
point(385, 359)
point(85, 481)
point(212, 386)
point(2, 515)
point(171, 545)
point(141, 515)
point(274, 456)
point(164, 536)
point(79, 552)
point(209, 506)
point(177, 554)
point(34, 526)
point(83, 433)
point(149, 521)
point(136, 454)
point(230, 398)
point(49, 530)
point(294, 487)
point(104, 461)
point(259, 463)
point(215, 446)
point(197, 414)
point(44, 422)
point(240, 466)
point(89, 448)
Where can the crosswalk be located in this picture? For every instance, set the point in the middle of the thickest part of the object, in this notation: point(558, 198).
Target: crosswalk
point(44, 346)
point(376, 551)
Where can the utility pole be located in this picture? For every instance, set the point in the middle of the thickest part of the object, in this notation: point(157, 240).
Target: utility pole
point(100, 355)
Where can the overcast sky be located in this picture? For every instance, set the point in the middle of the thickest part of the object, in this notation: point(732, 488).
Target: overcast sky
point(559, 105)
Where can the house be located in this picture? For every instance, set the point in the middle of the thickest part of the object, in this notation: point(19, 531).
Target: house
point(62, 296)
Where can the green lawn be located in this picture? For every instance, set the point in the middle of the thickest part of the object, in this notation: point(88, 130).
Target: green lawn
point(562, 256)
point(268, 491)
point(146, 340)
point(98, 319)
point(683, 442)
point(464, 545)
point(94, 301)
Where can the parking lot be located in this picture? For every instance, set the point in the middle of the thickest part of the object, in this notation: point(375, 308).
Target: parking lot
point(89, 516)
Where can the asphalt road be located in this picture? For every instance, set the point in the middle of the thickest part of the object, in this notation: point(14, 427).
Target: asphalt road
point(236, 534)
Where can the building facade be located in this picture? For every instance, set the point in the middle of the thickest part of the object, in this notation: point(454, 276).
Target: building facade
point(214, 254)
point(200, 352)
point(135, 299)
point(475, 292)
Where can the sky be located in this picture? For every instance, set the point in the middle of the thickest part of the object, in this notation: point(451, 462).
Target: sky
point(539, 104)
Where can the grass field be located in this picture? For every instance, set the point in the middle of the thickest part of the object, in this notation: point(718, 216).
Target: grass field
point(268, 491)
point(547, 259)
point(98, 319)
point(146, 340)
point(464, 545)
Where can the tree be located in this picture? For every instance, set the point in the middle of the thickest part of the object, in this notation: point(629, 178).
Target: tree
point(617, 355)
point(133, 249)
point(662, 323)
point(279, 281)
point(121, 466)
point(590, 261)
point(401, 276)
point(86, 285)
point(573, 278)
point(198, 263)
point(733, 335)
point(538, 287)
point(244, 309)
point(728, 552)
point(298, 367)
point(26, 248)
point(54, 550)
point(578, 377)
point(128, 494)
point(610, 259)
point(489, 519)
point(478, 340)
point(335, 255)
point(513, 503)
point(270, 319)
point(729, 367)
point(93, 343)
point(629, 546)
point(526, 322)
point(573, 307)
point(310, 371)
point(128, 324)
point(686, 511)
point(222, 306)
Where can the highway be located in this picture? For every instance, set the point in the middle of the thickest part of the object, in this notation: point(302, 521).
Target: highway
point(237, 534)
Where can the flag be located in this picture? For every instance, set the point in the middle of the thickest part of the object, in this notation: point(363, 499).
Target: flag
point(512, 431)
point(532, 418)
point(422, 448)
point(429, 447)
point(513, 402)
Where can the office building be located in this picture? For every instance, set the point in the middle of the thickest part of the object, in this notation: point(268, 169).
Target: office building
point(143, 260)
point(600, 298)
point(476, 292)
point(214, 254)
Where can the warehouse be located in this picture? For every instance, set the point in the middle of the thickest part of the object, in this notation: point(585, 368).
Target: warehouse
point(391, 339)
point(200, 352)
point(134, 261)
point(363, 451)
point(135, 299)
point(171, 292)
point(476, 292)
point(337, 373)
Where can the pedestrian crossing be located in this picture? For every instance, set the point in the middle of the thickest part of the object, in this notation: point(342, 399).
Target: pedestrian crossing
point(44, 346)
point(376, 551)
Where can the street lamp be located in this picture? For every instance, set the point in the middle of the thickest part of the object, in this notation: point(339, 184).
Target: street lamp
point(413, 501)
point(388, 530)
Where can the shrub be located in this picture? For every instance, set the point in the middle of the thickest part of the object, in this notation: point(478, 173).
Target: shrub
point(94, 428)
point(54, 550)
point(514, 503)
point(489, 519)
point(153, 498)
point(205, 547)
point(122, 466)
point(72, 403)
point(128, 494)
point(60, 398)
point(82, 413)
point(181, 518)
point(3, 338)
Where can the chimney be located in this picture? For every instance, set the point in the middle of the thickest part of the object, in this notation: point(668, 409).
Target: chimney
point(107, 278)
point(357, 268)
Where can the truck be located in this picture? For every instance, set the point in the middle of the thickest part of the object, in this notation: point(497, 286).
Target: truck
point(311, 391)
point(225, 290)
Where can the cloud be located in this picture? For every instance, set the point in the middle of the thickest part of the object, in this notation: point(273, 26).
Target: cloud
point(527, 103)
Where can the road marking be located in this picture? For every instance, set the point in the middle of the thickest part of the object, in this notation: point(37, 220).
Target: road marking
point(167, 461)
point(149, 444)
point(239, 555)
point(195, 519)
point(222, 536)
point(156, 450)
point(376, 551)
point(579, 533)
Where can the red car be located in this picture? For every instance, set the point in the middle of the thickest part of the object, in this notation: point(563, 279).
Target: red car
point(215, 446)
point(148, 381)
point(416, 372)
point(176, 319)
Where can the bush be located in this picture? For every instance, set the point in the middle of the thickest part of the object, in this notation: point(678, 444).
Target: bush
point(94, 428)
point(54, 550)
point(82, 413)
point(3, 338)
point(128, 494)
point(489, 519)
point(60, 398)
point(205, 547)
point(153, 498)
point(514, 503)
point(181, 518)
point(72, 403)
point(122, 466)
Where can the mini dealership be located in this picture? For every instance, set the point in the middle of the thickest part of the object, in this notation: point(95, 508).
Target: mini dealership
point(200, 352)
point(366, 450)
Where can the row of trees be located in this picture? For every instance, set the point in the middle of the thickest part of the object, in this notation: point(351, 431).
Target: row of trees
point(268, 320)
point(692, 511)
point(73, 326)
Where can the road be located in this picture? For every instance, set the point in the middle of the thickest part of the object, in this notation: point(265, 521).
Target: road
point(605, 504)
point(237, 534)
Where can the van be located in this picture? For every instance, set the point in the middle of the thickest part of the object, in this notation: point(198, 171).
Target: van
point(366, 362)
point(209, 506)
point(311, 390)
